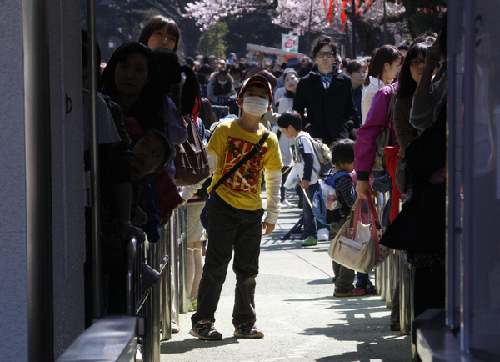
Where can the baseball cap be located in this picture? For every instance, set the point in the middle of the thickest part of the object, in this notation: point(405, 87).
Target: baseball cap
point(256, 79)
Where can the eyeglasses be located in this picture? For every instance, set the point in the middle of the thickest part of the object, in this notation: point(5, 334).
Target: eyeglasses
point(417, 62)
point(322, 55)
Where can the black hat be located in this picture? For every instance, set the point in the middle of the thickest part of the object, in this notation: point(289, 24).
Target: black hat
point(256, 79)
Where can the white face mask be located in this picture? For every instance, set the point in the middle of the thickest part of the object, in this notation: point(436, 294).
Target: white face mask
point(255, 106)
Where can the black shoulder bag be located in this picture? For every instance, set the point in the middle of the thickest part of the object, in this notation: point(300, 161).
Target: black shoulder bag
point(257, 147)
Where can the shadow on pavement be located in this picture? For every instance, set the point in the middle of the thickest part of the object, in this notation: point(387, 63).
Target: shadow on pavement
point(365, 323)
point(321, 281)
point(186, 345)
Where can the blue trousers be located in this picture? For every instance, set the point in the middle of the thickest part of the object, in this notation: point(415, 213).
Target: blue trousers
point(310, 222)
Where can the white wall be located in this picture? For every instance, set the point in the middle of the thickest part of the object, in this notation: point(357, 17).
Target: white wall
point(67, 174)
point(68, 224)
point(13, 274)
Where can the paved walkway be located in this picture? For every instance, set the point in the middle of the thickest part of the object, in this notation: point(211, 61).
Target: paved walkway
point(300, 318)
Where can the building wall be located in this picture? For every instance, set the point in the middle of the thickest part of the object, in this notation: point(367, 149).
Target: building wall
point(68, 224)
point(13, 277)
point(67, 177)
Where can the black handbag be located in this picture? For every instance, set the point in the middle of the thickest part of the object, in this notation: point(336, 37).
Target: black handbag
point(421, 224)
point(257, 147)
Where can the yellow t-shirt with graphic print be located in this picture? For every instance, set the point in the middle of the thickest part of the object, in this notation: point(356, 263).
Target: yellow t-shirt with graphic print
point(231, 143)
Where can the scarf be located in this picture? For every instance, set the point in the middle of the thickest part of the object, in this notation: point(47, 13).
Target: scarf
point(326, 80)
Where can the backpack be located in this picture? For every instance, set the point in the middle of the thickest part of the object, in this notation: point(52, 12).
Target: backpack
point(325, 207)
point(191, 161)
point(323, 153)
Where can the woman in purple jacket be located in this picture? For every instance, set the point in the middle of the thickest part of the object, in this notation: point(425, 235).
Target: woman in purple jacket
point(365, 149)
point(366, 145)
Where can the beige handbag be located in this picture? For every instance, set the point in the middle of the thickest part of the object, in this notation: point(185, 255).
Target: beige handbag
point(358, 248)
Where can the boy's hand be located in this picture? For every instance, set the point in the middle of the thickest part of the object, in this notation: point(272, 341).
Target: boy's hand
point(268, 228)
point(305, 184)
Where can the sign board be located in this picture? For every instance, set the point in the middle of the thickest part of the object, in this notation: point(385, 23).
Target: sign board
point(290, 43)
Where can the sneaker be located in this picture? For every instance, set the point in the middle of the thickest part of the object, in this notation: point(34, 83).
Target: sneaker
point(248, 331)
point(204, 329)
point(175, 327)
point(310, 241)
point(287, 204)
point(354, 292)
point(323, 234)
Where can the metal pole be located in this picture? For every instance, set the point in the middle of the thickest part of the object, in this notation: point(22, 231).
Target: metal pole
point(94, 163)
point(454, 224)
point(38, 180)
point(147, 341)
point(154, 258)
point(404, 295)
point(183, 297)
point(166, 300)
point(174, 232)
point(388, 281)
point(131, 275)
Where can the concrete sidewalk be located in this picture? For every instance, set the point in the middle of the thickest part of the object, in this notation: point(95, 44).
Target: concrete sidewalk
point(300, 318)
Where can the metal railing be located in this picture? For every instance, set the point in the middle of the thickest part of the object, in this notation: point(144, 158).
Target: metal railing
point(395, 269)
point(163, 302)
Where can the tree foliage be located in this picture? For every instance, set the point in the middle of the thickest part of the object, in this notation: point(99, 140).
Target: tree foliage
point(420, 21)
point(122, 21)
point(256, 29)
point(299, 16)
point(213, 41)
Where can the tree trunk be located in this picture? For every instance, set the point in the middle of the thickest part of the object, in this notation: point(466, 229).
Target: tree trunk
point(385, 22)
point(353, 31)
point(309, 29)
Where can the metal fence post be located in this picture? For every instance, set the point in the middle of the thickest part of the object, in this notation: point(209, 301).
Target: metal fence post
point(131, 275)
point(175, 267)
point(166, 282)
point(182, 245)
point(154, 257)
point(389, 281)
point(404, 295)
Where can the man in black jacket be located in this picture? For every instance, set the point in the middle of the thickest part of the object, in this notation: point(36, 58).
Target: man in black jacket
point(326, 96)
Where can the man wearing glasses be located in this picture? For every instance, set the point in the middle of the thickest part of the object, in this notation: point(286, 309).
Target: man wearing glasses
point(326, 96)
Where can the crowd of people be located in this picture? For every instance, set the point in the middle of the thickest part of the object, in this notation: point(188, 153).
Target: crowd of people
point(149, 102)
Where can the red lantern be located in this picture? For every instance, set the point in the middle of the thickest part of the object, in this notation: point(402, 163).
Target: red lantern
point(329, 12)
point(343, 16)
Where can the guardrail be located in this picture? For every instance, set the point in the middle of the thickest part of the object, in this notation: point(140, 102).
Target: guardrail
point(395, 269)
point(150, 312)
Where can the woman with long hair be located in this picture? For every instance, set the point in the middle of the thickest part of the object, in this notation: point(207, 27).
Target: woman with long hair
point(382, 71)
point(411, 73)
point(132, 80)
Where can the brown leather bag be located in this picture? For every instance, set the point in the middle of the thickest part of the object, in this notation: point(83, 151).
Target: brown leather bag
point(191, 161)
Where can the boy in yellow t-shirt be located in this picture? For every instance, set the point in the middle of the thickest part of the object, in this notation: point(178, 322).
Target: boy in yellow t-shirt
point(235, 211)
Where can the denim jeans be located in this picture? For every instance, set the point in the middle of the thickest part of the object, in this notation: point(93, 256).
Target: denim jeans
point(310, 222)
point(230, 228)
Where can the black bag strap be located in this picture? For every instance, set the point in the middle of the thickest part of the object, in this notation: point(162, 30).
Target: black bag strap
point(257, 147)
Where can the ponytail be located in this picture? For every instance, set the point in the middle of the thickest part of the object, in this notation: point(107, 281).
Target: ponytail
point(191, 93)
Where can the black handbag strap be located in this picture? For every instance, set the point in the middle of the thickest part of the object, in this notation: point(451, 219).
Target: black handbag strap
point(257, 147)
